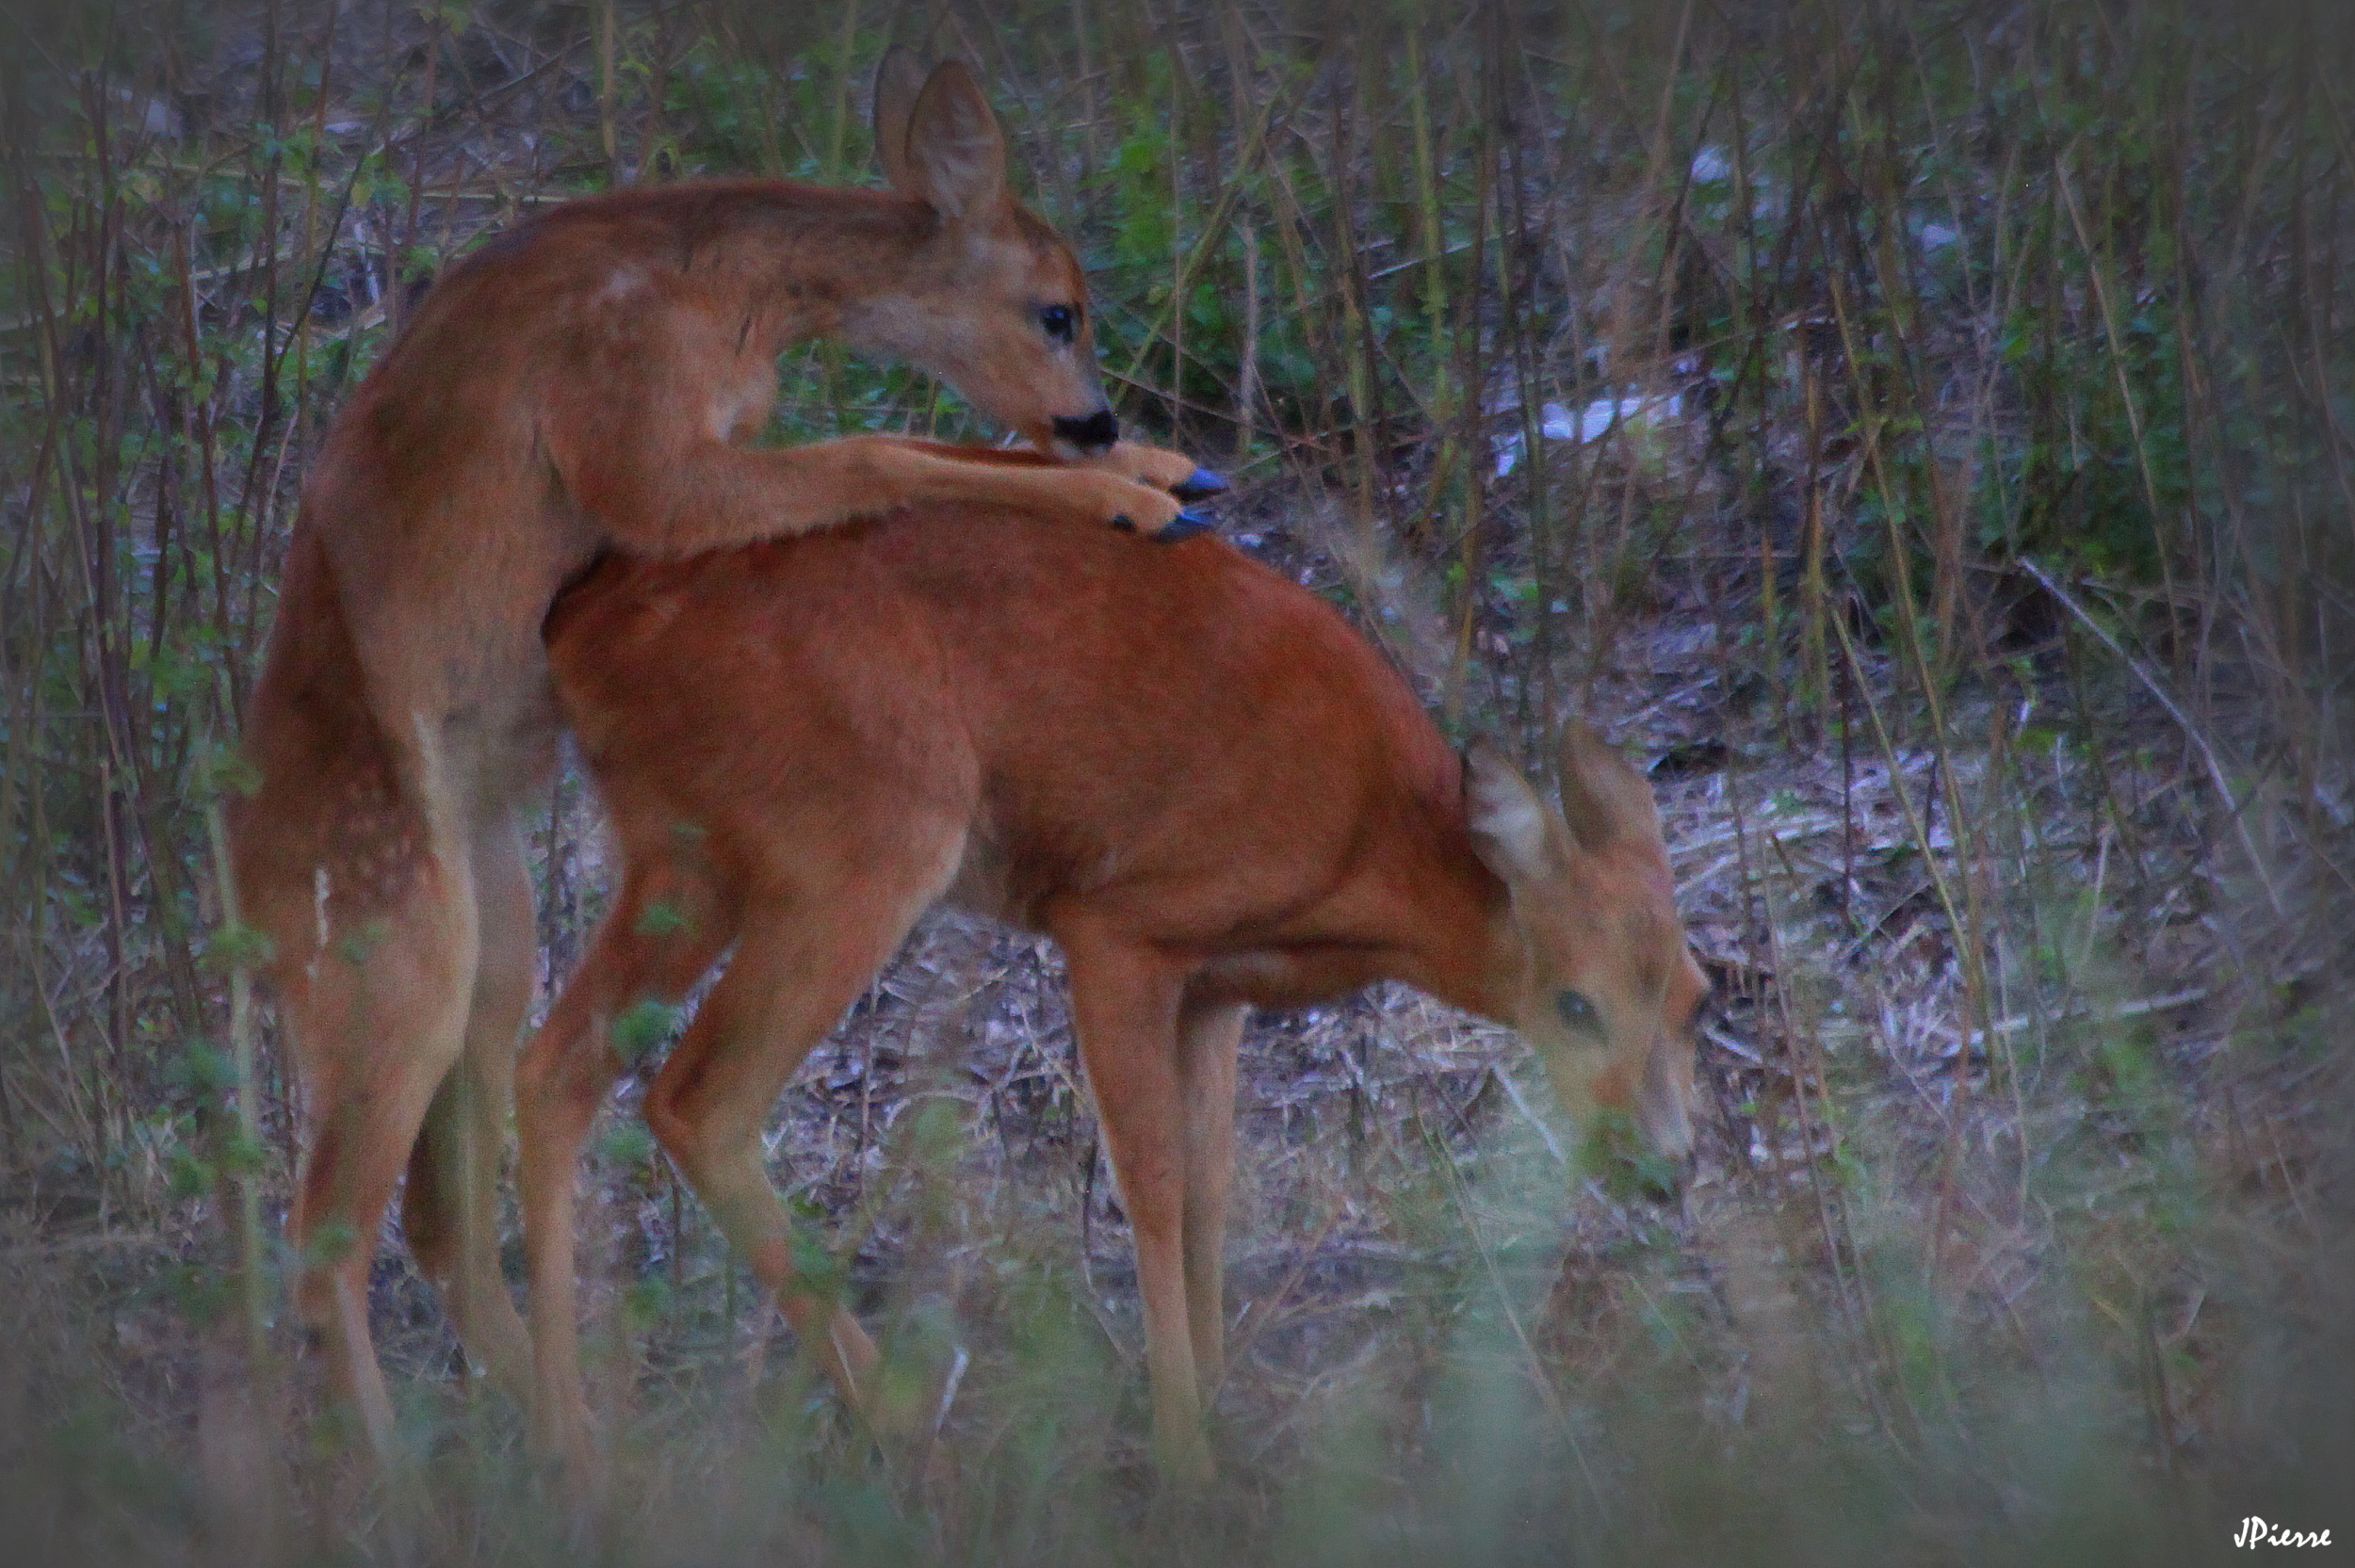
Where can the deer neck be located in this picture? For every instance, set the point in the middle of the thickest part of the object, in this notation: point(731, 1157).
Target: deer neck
point(803, 261)
point(1457, 939)
point(1423, 900)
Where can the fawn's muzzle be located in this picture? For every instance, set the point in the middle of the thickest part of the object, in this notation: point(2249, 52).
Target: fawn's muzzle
point(1096, 433)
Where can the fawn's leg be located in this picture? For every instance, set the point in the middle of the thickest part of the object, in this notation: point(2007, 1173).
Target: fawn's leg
point(1156, 466)
point(449, 1204)
point(376, 1007)
point(742, 494)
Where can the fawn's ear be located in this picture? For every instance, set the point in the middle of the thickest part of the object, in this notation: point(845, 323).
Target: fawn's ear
point(1603, 798)
point(1506, 817)
point(955, 153)
point(899, 79)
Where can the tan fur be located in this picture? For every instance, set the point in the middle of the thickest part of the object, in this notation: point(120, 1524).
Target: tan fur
point(578, 386)
point(1184, 768)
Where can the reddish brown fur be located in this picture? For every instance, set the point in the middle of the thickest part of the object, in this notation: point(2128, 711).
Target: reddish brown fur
point(1183, 766)
point(576, 385)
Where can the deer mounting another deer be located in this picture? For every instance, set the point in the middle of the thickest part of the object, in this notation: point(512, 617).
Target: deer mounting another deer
point(579, 384)
point(1186, 769)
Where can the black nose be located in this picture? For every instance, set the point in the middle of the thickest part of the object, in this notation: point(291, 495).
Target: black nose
point(1094, 433)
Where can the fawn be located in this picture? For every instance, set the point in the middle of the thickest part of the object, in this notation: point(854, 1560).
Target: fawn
point(579, 384)
point(1187, 770)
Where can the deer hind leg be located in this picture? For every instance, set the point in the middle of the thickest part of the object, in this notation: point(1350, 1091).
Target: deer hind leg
point(1208, 1037)
point(377, 1015)
point(449, 1204)
point(658, 939)
point(1125, 1007)
point(799, 964)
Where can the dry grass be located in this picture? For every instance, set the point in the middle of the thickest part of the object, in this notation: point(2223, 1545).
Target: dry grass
point(1921, 432)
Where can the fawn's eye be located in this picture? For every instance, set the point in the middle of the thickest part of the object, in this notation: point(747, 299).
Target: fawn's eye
point(1578, 1012)
point(1061, 322)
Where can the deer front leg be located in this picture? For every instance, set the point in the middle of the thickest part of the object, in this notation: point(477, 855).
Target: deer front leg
point(1162, 469)
point(713, 495)
point(1155, 466)
point(1125, 1008)
point(1208, 1036)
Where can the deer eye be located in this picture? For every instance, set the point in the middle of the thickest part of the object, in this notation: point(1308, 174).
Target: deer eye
point(1061, 322)
point(1578, 1012)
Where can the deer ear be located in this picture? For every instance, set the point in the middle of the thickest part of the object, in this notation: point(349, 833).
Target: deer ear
point(1506, 817)
point(897, 80)
point(1603, 798)
point(956, 154)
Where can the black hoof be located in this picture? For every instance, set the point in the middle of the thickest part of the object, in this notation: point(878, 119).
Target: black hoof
point(1196, 485)
point(1184, 526)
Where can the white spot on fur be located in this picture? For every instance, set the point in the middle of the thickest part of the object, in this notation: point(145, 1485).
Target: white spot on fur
point(625, 282)
point(318, 908)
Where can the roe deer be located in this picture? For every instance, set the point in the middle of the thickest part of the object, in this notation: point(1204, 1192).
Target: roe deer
point(1186, 769)
point(575, 385)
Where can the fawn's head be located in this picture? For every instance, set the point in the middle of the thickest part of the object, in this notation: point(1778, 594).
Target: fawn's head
point(1607, 989)
point(1001, 313)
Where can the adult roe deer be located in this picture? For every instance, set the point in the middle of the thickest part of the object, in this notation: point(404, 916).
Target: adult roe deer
point(1187, 770)
point(578, 384)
